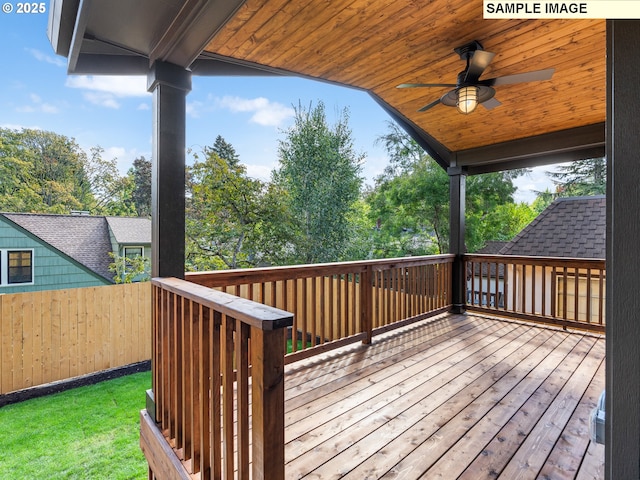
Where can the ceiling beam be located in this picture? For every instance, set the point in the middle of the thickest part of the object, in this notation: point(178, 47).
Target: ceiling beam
point(563, 146)
point(441, 154)
point(192, 29)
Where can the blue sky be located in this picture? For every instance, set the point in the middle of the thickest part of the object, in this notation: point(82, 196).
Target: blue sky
point(115, 112)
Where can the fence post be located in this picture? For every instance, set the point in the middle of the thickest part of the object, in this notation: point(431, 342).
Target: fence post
point(366, 307)
point(267, 371)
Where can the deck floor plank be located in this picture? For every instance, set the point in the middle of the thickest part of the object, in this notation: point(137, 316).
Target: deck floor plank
point(395, 414)
point(482, 417)
point(509, 445)
point(381, 386)
point(456, 396)
point(568, 453)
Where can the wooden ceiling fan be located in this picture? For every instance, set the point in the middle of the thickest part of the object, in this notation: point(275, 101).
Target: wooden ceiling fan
point(470, 90)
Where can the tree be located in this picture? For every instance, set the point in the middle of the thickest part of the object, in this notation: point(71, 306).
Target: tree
point(225, 151)
point(410, 202)
point(45, 172)
point(140, 175)
point(583, 178)
point(130, 269)
point(111, 191)
point(320, 171)
point(228, 216)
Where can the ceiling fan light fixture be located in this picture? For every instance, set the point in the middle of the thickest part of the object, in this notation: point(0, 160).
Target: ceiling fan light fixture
point(467, 99)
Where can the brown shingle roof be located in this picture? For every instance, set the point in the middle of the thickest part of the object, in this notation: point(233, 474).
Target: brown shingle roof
point(570, 227)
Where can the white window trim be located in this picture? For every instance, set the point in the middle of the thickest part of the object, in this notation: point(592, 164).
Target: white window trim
point(4, 267)
point(124, 249)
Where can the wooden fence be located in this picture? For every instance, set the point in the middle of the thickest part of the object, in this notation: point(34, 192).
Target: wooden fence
point(59, 334)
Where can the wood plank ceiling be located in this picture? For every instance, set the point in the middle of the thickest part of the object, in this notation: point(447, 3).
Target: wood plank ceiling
point(375, 46)
point(372, 45)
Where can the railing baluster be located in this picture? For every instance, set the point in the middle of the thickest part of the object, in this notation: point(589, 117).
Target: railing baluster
point(197, 400)
point(227, 396)
point(539, 288)
point(188, 377)
point(242, 403)
point(216, 400)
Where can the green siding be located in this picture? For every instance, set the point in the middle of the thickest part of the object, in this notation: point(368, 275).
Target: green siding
point(52, 270)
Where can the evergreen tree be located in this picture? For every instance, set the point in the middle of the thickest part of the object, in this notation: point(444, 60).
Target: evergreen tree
point(583, 178)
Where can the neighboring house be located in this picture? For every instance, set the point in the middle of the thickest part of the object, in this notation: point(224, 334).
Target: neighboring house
point(130, 237)
point(47, 252)
point(572, 227)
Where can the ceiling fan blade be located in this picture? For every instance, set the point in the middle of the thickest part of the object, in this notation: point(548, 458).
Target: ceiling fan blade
point(418, 85)
point(535, 76)
point(491, 103)
point(427, 107)
point(478, 62)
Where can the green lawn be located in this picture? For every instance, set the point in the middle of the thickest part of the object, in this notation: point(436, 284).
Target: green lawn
point(86, 433)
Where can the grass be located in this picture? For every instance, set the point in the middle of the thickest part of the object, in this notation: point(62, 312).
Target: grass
point(290, 345)
point(86, 433)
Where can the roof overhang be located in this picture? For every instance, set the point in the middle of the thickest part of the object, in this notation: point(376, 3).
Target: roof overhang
point(371, 46)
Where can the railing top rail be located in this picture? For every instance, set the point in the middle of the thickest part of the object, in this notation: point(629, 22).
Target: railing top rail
point(536, 260)
point(256, 275)
point(249, 312)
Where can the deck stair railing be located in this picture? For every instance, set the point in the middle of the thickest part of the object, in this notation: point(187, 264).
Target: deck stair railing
point(212, 353)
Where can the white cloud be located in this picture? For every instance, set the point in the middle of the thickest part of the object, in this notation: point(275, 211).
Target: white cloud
point(144, 106)
point(37, 105)
point(193, 109)
point(261, 172)
point(43, 57)
point(106, 90)
point(120, 86)
point(265, 112)
point(529, 184)
point(102, 99)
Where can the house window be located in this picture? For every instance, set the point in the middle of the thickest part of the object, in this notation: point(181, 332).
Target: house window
point(133, 252)
point(16, 267)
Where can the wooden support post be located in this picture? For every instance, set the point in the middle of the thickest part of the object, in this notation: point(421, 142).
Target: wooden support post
point(457, 190)
point(169, 85)
point(622, 426)
point(267, 371)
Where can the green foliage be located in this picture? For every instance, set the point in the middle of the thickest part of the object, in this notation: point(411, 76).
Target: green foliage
point(228, 216)
point(140, 178)
point(584, 178)
point(410, 203)
point(130, 269)
point(88, 432)
point(42, 172)
point(320, 171)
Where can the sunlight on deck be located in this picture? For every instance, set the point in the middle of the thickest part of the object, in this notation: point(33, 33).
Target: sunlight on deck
point(458, 396)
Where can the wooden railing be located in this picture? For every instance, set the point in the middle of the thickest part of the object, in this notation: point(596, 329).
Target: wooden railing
point(339, 303)
point(563, 291)
point(212, 352)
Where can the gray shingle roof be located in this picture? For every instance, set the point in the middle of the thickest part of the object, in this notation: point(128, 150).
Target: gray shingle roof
point(130, 230)
point(83, 238)
point(570, 227)
point(492, 247)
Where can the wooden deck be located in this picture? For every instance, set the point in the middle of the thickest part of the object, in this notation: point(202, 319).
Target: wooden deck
point(457, 396)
